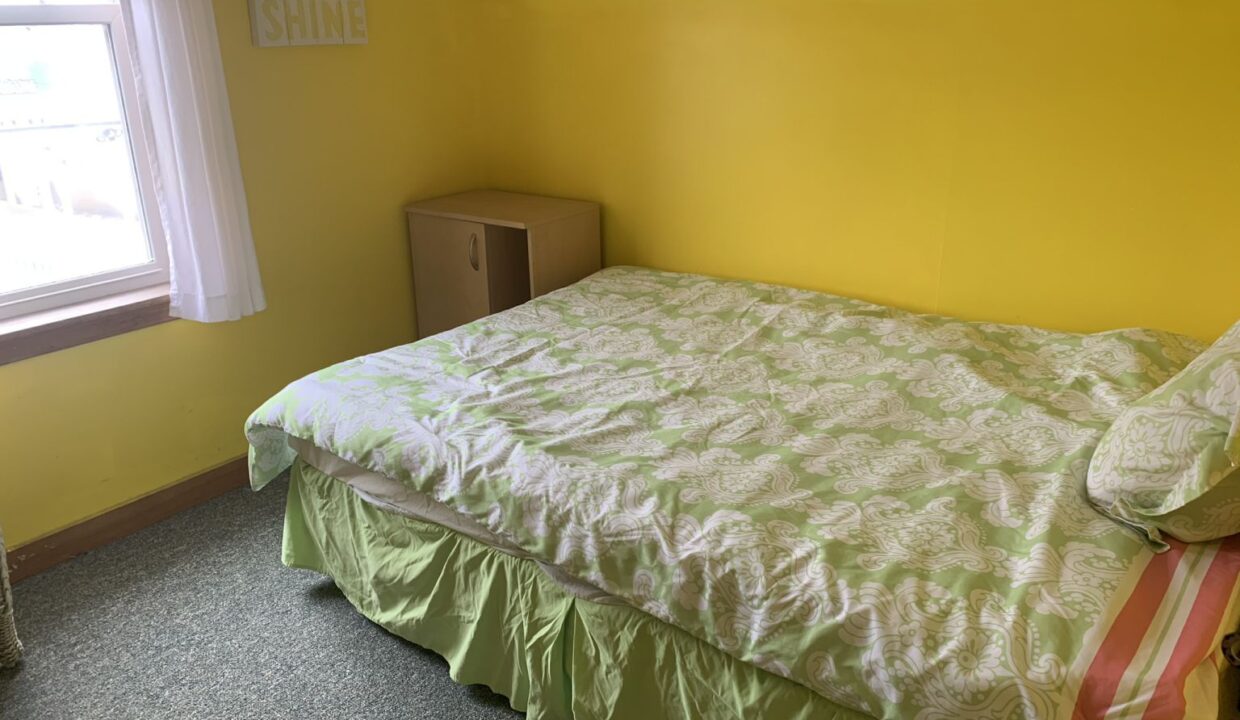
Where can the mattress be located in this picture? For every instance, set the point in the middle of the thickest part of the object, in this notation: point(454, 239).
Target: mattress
point(881, 507)
point(1206, 690)
point(500, 621)
point(390, 495)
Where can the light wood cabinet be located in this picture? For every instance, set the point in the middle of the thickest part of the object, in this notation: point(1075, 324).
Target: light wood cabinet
point(480, 252)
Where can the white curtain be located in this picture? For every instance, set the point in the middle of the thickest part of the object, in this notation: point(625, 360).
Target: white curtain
point(214, 272)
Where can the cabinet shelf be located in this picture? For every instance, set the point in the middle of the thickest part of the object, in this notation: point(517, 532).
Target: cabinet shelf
point(480, 252)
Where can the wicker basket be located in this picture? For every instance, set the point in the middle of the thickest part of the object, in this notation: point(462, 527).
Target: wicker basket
point(10, 646)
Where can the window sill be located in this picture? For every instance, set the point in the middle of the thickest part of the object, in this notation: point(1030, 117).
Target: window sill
point(51, 330)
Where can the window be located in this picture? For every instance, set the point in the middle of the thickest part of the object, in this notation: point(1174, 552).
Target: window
point(78, 217)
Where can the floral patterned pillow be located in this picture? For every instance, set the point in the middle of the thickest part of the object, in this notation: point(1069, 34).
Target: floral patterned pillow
point(1171, 462)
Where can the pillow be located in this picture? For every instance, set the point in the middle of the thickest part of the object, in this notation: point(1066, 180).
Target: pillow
point(1169, 464)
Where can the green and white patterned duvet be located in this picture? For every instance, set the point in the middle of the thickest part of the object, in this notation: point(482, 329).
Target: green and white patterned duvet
point(882, 506)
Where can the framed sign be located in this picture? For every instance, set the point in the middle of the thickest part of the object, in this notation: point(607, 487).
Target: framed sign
point(277, 23)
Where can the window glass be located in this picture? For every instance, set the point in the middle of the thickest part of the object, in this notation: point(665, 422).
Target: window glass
point(58, 2)
point(69, 204)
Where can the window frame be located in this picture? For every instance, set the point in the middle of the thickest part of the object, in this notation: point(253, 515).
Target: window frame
point(65, 293)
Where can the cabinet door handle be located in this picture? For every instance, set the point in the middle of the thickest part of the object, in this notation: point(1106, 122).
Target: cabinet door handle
point(473, 250)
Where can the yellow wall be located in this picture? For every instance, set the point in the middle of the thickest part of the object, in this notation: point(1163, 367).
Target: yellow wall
point(333, 141)
point(1070, 163)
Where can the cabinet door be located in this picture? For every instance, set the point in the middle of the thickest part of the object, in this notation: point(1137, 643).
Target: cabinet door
point(449, 272)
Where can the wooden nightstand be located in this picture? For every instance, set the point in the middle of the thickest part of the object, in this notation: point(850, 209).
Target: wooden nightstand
point(483, 251)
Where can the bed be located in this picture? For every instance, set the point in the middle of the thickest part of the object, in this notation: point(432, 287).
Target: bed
point(668, 495)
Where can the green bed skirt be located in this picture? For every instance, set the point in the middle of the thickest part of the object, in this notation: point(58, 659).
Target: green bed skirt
point(500, 621)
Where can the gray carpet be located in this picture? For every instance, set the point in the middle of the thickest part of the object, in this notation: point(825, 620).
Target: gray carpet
point(196, 618)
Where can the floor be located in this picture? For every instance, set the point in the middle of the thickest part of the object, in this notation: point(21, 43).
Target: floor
point(196, 618)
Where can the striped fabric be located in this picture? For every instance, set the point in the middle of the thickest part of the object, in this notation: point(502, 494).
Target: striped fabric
point(1157, 656)
point(10, 646)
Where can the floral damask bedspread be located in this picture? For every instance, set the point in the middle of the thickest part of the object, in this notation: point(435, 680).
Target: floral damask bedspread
point(879, 505)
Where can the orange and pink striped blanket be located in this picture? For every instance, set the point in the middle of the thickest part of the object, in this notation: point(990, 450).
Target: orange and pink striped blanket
point(1157, 656)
